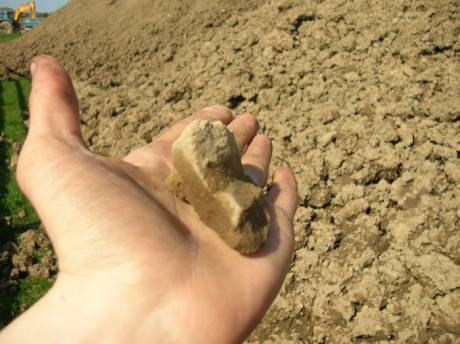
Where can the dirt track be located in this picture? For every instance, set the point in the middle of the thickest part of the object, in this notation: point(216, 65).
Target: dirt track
point(361, 98)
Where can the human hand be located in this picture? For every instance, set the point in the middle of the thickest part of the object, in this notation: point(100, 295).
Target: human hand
point(136, 263)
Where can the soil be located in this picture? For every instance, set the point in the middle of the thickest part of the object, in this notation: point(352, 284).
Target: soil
point(207, 172)
point(29, 256)
point(361, 98)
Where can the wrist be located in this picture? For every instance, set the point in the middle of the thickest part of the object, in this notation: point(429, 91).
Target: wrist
point(78, 310)
point(88, 309)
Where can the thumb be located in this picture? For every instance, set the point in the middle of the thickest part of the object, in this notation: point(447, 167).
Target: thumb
point(53, 104)
point(54, 120)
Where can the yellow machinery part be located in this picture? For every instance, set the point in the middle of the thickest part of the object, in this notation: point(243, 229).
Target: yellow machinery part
point(25, 8)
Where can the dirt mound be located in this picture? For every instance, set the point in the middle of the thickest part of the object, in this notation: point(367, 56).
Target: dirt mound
point(361, 98)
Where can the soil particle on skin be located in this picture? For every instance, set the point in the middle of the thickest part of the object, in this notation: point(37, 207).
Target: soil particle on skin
point(361, 98)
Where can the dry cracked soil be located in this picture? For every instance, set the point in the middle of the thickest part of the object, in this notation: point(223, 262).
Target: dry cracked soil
point(360, 97)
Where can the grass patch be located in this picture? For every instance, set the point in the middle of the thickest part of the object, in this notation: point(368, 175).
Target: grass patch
point(15, 210)
point(6, 37)
point(14, 94)
point(16, 213)
point(30, 290)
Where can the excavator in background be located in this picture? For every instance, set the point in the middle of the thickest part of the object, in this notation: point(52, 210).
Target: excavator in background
point(12, 22)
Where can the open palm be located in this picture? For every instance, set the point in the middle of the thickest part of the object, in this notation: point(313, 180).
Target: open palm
point(133, 258)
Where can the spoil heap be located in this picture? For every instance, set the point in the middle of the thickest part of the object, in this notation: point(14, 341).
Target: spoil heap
point(360, 97)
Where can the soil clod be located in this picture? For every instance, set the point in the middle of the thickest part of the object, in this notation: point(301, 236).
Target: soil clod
point(207, 173)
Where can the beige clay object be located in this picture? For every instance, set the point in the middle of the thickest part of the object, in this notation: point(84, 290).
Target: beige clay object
point(207, 173)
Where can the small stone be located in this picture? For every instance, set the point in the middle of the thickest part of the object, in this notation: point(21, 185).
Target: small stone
point(368, 323)
point(38, 271)
point(406, 136)
point(13, 162)
point(450, 306)
point(20, 261)
point(327, 138)
point(207, 173)
point(441, 270)
point(320, 197)
point(452, 171)
point(21, 214)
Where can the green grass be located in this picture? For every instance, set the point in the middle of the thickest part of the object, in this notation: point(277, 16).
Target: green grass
point(12, 203)
point(16, 213)
point(6, 37)
point(30, 290)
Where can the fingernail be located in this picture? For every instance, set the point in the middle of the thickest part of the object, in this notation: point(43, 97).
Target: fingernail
point(33, 67)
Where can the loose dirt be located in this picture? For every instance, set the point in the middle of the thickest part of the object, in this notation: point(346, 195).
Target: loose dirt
point(30, 256)
point(361, 98)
